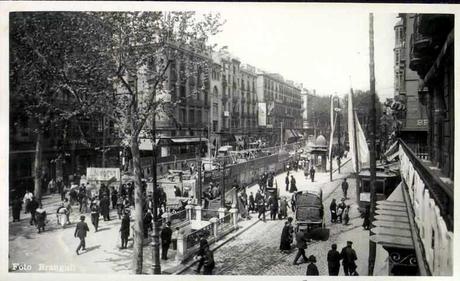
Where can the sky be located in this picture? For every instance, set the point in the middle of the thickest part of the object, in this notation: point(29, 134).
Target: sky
point(327, 51)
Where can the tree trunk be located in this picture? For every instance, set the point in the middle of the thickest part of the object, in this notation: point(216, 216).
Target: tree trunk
point(138, 250)
point(38, 166)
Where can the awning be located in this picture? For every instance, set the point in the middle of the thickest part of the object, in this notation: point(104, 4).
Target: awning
point(188, 140)
point(392, 227)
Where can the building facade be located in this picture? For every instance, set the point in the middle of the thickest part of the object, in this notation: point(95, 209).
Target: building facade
point(413, 116)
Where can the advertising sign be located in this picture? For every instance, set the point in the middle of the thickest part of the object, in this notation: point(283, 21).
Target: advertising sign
point(102, 174)
point(262, 115)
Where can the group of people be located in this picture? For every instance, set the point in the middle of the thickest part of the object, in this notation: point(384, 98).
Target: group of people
point(339, 212)
point(347, 255)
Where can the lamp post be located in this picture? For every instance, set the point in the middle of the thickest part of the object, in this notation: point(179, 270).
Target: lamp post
point(156, 267)
point(222, 192)
point(200, 191)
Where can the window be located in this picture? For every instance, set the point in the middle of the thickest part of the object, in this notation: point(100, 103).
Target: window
point(182, 90)
point(214, 126)
point(199, 118)
point(191, 118)
point(182, 115)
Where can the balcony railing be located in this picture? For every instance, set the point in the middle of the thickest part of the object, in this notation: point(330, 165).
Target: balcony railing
point(441, 193)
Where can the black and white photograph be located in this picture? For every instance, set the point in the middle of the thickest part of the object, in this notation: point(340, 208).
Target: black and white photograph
point(253, 139)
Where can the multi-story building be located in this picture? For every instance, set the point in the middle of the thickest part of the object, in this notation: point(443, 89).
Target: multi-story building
point(419, 237)
point(414, 121)
point(283, 104)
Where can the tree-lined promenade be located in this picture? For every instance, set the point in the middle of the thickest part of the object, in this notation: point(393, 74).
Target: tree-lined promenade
point(67, 66)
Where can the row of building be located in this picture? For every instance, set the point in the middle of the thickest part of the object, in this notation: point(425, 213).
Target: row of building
point(218, 101)
point(420, 240)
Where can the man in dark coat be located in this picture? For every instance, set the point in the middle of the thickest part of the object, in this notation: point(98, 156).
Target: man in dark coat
point(348, 259)
point(33, 206)
point(148, 225)
point(80, 231)
point(16, 207)
point(165, 235)
point(293, 185)
point(201, 254)
point(286, 236)
point(333, 261)
point(208, 263)
point(273, 203)
point(345, 188)
point(312, 269)
point(301, 241)
point(287, 182)
point(105, 208)
point(262, 209)
point(367, 218)
point(312, 173)
point(333, 209)
point(124, 231)
point(94, 207)
point(252, 203)
point(340, 210)
point(114, 198)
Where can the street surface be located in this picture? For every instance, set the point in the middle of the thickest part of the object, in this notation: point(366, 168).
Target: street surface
point(256, 251)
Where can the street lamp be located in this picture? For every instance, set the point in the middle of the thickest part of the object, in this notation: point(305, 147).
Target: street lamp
point(156, 267)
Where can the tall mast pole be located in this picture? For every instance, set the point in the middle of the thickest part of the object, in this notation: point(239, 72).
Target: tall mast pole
point(338, 134)
point(156, 266)
point(372, 245)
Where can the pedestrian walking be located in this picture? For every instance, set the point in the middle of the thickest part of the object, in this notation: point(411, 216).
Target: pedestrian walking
point(41, 218)
point(105, 208)
point(82, 200)
point(262, 209)
point(251, 207)
point(333, 210)
point(283, 208)
point(293, 204)
point(33, 206)
point(124, 231)
point(301, 243)
point(286, 236)
point(114, 198)
point(340, 209)
point(346, 216)
point(165, 235)
point(293, 185)
point(68, 207)
point(349, 257)
point(208, 264)
point(80, 231)
point(273, 204)
point(200, 254)
point(345, 188)
point(95, 213)
point(287, 182)
point(311, 268)
point(60, 188)
point(27, 199)
point(367, 218)
point(148, 225)
point(16, 206)
point(52, 186)
point(333, 261)
point(312, 173)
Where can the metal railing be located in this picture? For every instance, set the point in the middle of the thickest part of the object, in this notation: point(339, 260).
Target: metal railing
point(178, 217)
point(441, 193)
point(225, 223)
point(207, 214)
point(194, 237)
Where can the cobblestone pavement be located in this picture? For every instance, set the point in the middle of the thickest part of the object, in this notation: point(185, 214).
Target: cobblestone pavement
point(256, 251)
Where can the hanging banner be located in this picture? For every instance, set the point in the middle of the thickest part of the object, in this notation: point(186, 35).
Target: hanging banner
point(102, 174)
point(262, 114)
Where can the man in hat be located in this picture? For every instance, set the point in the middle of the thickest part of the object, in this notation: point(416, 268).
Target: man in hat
point(348, 255)
point(301, 241)
point(165, 235)
point(311, 268)
point(345, 187)
point(80, 231)
point(124, 231)
point(333, 261)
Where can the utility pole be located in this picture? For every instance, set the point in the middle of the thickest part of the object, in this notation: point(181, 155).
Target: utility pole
point(281, 135)
point(222, 192)
point(200, 192)
point(372, 245)
point(103, 142)
point(331, 138)
point(156, 267)
point(339, 113)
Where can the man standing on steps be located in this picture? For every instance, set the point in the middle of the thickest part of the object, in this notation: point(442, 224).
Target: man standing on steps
point(345, 188)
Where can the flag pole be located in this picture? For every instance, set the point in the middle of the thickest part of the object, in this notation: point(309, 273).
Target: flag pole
point(372, 245)
point(355, 145)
